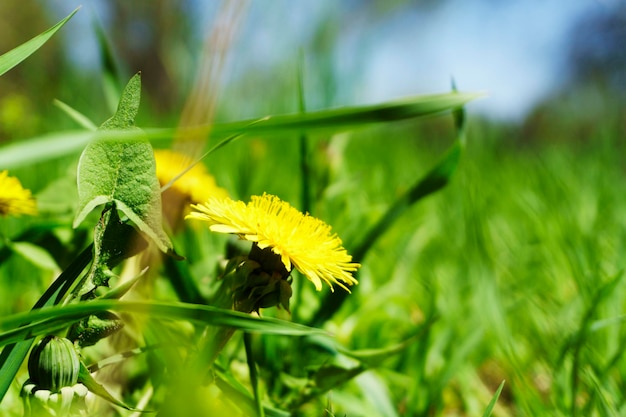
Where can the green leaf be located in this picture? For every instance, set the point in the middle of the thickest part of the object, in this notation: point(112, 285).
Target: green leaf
point(110, 70)
point(330, 376)
point(324, 379)
point(114, 241)
point(239, 394)
point(331, 120)
point(493, 401)
point(123, 288)
point(86, 379)
point(49, 320)
point(36, 255)
point(15, 56)
point(75, 115)
point(128, 106)
point(434, 180)
point(345, 118)
point(123, 172)
point(254, 374)
point(43, 148)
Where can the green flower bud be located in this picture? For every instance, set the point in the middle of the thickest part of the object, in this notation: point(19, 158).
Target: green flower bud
point(53, 364)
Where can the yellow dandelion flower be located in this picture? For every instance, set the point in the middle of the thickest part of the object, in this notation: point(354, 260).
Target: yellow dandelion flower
point(15, 199)
point(196, 184)
point(301, 241)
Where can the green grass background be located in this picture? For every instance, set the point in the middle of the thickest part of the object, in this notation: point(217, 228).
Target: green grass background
point(518, 263)
point(512, 272)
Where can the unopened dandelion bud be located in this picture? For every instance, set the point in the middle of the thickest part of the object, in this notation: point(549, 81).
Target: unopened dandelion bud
point(53, 364)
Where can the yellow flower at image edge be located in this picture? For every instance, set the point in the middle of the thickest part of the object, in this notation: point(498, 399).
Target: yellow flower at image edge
point(299, 239)
point(15, 199)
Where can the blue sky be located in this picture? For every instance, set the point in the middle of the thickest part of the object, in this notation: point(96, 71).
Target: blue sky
point(512, 50)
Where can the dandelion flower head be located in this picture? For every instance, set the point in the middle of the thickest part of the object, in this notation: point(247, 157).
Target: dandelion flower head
point(15, 199)
point(196, 184)
point(301, 241)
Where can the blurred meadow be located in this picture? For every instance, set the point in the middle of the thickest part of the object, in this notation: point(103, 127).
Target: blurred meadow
point(471, 162)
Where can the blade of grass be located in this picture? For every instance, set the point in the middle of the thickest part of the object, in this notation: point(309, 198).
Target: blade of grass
point(305, 177)
point(239, 395)
point(111, 74)
point(75, 115)
point(576, 342)
point(254, 376)
point(54, 318)
point(31, 151)
point(493, 401)
point(12, 58)
point(345, 118)
point(437, 178)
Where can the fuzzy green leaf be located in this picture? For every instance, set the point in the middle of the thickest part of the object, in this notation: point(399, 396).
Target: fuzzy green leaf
point(123, 172)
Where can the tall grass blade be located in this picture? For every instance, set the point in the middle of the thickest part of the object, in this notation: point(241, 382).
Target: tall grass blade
point(55, 318)
point(45, 148)
point(577, 341)
point(111, 74)
point(75, 115)
point(12, 58)
point(254, 376)
point(437, 178)
point(493, 401)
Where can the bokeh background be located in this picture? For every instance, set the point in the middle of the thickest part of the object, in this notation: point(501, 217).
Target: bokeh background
point(518, 261)
point(530, 57)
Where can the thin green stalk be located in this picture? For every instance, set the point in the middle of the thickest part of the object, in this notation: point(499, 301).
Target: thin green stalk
point(305, 176)
point(254, 377)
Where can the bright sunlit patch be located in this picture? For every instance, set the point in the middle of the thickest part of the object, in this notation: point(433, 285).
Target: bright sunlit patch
point(300, 240)
point(197, 184)
point(15, 199)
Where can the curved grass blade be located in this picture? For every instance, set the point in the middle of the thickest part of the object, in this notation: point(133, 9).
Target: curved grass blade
point(493, 401)
point(75, 115)
point(44, 148)
point(10, 59)
point(111, 75)
point(55, 318)
point(96, 388)
point(436, 179)
point(346, 118)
